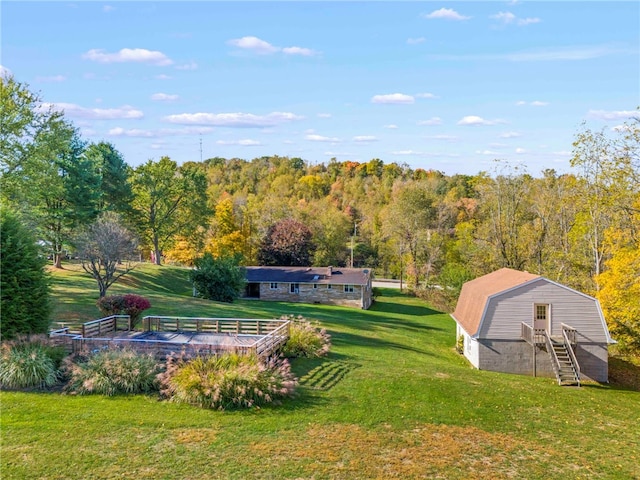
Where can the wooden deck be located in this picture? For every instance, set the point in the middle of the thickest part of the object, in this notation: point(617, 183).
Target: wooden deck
point(185, 336)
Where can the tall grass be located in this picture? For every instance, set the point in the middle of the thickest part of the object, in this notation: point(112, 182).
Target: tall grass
point(111, 372)
point(28, 363)
point(228, 381)
point(306, 339)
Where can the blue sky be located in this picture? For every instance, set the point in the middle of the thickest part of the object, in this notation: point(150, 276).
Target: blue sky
point(442, 85)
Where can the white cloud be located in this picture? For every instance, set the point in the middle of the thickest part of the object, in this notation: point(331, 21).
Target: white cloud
point(509, 18)
point(338, 154)
point(108, 8)
point(158, 146)
point(393, 98)
point(187, 66)
point(442, 137)
point(51, 78)
point(432, 121)
point(162, 76)
point(254, 44)
point(164, 97)
point(416, 41)
point(406, 152)
point(471, 120)
point(245, 142)
point(288, 142)
point(365, 138)
point(446, 13)
point(486, 152)
point(426, 95)
point(321, 138)
point(5, 72)
point(324, 115)
point(520, 151)
point(391, 126)
point(572, 53)
point(262, 47)
point(162, 132)
point(612, 115)
point(528, 21)
point(305, 52)
point(535, 103)
point(73, 110)
point(510, 135)
point(139, 55)
point(133, 132)
point(248, 120)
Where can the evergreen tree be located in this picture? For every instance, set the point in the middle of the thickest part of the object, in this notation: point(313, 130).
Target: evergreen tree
point(24, 282)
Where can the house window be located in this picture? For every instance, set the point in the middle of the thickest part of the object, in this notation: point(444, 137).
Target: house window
point(348, 289)
point(273, 286)
point(315, 285)
point(329, 286)
point(294, 288)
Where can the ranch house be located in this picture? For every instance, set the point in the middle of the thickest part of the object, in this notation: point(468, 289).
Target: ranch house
point(325, 285)
point(517, 322)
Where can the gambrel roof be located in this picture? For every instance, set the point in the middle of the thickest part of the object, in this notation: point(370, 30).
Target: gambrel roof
point(475, 294)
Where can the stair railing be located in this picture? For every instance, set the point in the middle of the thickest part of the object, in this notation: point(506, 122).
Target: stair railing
point(555, 362)
point(569, 347)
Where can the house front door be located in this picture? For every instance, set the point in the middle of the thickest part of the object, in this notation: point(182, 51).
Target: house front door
point(542, 317)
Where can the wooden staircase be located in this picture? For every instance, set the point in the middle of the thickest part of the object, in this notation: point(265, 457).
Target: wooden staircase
point(563, 358)
point(564, 362)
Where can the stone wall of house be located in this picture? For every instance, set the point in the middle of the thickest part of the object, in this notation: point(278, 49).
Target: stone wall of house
point(306, 293)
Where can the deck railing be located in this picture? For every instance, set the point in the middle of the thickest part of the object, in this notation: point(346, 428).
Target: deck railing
point(533, 336)
point(236, 326)
point(98, 334)
point(106, 325)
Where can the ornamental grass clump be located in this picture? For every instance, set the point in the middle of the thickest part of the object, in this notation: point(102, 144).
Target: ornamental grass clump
point(29, 362)
point(229, 381)
point(306, 339)
point(112, 372)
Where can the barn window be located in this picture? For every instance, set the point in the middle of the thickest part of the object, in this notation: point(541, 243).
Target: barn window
point(541, 312)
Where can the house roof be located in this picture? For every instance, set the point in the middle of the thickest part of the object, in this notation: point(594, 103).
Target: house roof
point(322, 275)
point(475, 294)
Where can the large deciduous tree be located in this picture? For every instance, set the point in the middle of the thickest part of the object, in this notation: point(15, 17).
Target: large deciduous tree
point(168, 201)
point(287, 243)
point(107, 250)
point(24, 283)
point(45, 172)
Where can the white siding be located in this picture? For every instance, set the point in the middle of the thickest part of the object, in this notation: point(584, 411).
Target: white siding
point(507, 310)
point(470, 346)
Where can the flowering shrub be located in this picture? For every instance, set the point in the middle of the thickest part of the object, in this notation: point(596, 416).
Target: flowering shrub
point(228, 381)
point(111, 372)
point(129, 304)
point(305, 339)
point(29, 362)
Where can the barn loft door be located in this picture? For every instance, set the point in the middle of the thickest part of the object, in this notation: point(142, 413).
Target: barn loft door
point(542, 316)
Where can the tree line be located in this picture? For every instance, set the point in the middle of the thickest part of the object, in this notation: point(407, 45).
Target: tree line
point(581, 228)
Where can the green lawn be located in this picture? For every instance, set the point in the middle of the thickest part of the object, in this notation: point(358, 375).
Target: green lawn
point(392, 400)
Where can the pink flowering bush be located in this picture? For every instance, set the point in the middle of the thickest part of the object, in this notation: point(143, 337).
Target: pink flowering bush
point(129, 304)
point(226, 382)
